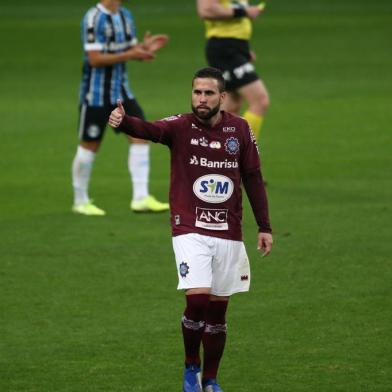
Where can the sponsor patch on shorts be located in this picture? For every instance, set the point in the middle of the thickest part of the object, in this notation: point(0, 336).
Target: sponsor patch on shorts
point(93, 131)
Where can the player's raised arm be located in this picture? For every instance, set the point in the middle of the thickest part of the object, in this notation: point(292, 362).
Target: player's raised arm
point(157, 131)
point(213, 9)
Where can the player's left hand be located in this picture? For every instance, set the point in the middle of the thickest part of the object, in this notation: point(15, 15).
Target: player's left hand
point(154, 42)
point(264, 243)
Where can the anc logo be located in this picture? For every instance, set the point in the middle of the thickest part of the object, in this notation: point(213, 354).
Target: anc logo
point(213, 188)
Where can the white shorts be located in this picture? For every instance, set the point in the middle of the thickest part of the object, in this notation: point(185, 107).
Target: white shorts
point(217, 263)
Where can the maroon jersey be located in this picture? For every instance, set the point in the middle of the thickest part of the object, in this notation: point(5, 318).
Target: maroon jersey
point(207, 165)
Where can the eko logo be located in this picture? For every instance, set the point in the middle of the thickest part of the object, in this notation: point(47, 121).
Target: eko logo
point(213, 188)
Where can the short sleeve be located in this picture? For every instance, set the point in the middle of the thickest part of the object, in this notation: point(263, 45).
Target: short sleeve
point(93, 31)
point(131, 32)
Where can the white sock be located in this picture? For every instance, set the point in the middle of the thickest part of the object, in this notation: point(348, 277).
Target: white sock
point(81, 172)
point(139, 168)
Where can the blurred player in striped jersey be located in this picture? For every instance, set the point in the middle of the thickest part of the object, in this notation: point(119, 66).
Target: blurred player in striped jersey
point(228, 31)
point(109, 41)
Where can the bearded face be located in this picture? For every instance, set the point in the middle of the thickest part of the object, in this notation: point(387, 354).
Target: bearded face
point(206, 98)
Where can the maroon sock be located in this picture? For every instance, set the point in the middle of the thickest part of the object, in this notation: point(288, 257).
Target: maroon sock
point(193, 322)
point(214, 338)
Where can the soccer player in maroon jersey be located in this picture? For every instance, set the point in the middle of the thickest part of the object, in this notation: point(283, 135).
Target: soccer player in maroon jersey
point(212, 152)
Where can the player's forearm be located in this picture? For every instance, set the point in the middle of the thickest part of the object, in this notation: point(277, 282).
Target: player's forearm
point(212, 9)
point(141, 129)
point(98, 59)
point(136, 52)
point(254, 187)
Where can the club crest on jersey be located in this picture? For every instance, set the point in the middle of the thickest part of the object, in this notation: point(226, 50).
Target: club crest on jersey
point(183, 269)
point(232, 145)
point(211, 218)
point(213, 188)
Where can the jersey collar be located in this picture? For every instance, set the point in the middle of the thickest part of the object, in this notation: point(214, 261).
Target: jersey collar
point(103, 9)
point(223, 118)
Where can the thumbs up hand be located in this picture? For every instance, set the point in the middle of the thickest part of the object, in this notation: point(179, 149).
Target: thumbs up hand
point(120, 107)
point(117, 115)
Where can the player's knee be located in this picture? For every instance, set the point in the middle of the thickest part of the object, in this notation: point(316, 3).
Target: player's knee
point(196, 306)
point(260, 104)
point(91, 145)
point(265, 102)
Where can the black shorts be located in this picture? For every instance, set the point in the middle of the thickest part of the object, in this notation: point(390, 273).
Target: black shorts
point(93, 119)
point(232, 57)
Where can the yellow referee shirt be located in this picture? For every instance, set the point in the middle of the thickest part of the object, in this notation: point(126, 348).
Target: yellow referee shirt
point(240, 28)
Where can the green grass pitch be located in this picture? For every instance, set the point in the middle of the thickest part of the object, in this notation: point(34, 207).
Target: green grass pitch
point(91, 304)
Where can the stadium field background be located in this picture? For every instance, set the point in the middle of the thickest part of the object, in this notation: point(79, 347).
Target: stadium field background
point(90, 304)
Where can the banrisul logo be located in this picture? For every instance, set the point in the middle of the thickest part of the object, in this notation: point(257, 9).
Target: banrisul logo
point(213, 188)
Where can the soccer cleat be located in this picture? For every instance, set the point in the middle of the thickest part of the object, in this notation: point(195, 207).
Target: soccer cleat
point(192, 378)
point(149, 204)
point(88, 209)
point(211, 386)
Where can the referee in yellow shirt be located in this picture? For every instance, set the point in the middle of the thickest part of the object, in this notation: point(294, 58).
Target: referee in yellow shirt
point(228, 31)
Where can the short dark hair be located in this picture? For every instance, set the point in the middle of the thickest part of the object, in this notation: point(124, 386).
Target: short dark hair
point(213, 73)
